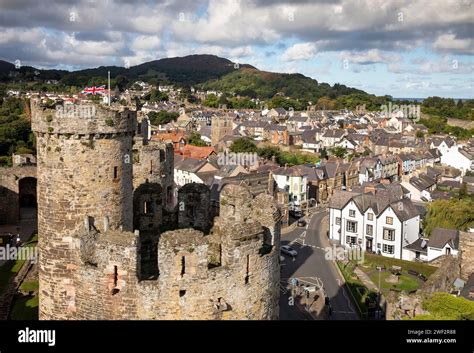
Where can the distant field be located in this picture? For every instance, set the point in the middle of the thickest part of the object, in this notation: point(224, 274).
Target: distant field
point(465, 124)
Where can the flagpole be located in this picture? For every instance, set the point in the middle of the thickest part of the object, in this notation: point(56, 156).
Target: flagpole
point(108, 80)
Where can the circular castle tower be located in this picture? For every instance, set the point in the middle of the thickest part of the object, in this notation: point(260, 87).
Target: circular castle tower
point(84, 156)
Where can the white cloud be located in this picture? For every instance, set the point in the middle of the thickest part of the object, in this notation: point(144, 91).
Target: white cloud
point(145, 42)
point(449, 43)
point(372, 56)
point(300, 51)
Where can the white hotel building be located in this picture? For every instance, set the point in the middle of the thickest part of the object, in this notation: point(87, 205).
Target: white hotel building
point(373, 223)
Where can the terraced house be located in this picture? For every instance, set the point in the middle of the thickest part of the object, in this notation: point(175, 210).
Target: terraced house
point(374, 223)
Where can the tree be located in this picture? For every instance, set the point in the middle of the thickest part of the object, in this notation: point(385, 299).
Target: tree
point(323, 154)
point(121, 82)
point(243, 145)
point(211, 101)
point(444, 306)
point(450, 214)
point(156, 96)
point(420, 134)
point(195, 140)
point(339, 151)
point(463, 191)
point(162, 117)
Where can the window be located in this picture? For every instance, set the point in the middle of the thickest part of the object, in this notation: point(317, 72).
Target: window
point(351, 226)
point(388, 249)
point(389, 234)
point(351, 240)
point(338, 220)
point(389, 220)
point(247, 270)
point(370, 216)
point(183, 265)
point(352, 213)
point(370, 229)
point(115, 173)
point(115, 289)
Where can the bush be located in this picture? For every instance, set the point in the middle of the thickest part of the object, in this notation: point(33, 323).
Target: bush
point(444, 306)
point(451, 214)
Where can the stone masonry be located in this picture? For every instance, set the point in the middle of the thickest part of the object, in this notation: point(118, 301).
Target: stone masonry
point(101, 228)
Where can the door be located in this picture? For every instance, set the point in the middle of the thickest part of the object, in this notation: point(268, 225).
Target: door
point(368, 244)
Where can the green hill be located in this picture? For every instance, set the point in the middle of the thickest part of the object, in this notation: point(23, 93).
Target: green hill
point(262, 84)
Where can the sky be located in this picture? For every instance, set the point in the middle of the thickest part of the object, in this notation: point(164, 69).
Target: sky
point(404, 48)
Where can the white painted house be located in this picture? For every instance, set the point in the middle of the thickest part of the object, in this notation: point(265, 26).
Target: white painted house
point(441, 242)
point(293, 181)
point(187, 171)
point(373, 223)
point(461, 158)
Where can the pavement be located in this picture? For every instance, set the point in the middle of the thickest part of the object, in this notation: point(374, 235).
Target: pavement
point(310, 266)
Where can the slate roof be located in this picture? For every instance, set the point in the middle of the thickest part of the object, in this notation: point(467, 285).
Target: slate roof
point(442, 236)
point(190, 165)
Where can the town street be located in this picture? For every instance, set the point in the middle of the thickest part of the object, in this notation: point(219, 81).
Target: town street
point(309, 265)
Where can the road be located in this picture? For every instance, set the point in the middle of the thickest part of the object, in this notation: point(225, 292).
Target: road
point(311, 264)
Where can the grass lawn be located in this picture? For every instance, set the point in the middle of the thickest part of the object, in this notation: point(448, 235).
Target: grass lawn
point(29, 286)
point(406, 282)
point(357, 288)
point(8, 271)
point(11, 268)
point(25, 308)
point(372, 261)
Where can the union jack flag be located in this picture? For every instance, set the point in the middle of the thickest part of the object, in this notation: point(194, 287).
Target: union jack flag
point(95, 90)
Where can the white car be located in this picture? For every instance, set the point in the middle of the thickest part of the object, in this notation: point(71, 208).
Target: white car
point(288, 250)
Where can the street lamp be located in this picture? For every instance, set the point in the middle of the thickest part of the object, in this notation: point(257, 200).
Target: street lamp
point(379, 268)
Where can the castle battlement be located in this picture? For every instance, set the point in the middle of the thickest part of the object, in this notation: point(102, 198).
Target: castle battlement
point(104, 204)
point(85, 118)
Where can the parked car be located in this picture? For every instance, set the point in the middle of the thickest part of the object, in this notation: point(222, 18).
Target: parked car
point(301, 223)
point(288, 250)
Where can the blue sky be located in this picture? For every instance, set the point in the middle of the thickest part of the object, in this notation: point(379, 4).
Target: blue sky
point(404, 48)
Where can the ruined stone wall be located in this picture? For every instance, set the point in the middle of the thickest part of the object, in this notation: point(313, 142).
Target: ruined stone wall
point(106, 286)
point(92, 264)
point(154, 163)
point(82, 172)
point(242, 284)
point(466, 245)
point(442, 279)
point(9, 192)
point(194, 207)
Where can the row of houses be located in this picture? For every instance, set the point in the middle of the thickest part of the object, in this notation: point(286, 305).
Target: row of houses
point(386, 225)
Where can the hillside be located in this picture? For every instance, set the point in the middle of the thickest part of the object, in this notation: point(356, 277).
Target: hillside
point(211, 71)
point(262, 84)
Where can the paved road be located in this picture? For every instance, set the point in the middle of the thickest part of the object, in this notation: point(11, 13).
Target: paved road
point(311, 264)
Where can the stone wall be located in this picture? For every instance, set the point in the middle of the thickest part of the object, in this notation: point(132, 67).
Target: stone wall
point(94, 266)
point(220, 126)
point(442, 279)
point(466, 244)
point(82, 173)
point(242, 284)
point(194, 207)
point(9, 192)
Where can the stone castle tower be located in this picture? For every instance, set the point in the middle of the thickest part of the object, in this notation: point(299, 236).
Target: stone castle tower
point(103, 250)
